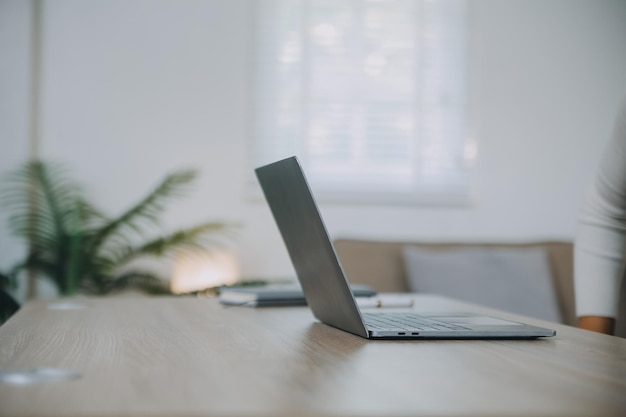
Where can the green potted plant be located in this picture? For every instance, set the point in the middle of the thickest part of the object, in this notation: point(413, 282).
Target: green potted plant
point(81, 249)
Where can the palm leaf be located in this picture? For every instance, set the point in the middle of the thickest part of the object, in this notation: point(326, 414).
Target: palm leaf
point(141, 279)
point(188, 239)
point(49, 268)
point(146, 211)
point(41, 190)
point(42, 201)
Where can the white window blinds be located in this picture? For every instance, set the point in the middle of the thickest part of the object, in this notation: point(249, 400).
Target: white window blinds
point(370, 95)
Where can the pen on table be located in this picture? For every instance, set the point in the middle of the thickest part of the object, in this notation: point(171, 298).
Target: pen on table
point(381, 302)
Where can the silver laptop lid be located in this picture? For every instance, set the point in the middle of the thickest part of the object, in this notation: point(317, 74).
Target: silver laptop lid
point(309, 246)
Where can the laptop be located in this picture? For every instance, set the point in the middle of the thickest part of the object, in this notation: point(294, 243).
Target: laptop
point(325, 285)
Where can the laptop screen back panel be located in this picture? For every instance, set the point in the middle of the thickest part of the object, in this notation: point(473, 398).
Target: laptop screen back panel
point(310, 249)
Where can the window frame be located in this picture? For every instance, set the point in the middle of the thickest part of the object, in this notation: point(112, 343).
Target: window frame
point(450, 195)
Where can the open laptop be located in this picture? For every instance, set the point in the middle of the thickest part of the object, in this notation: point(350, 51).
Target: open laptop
point(326, 287)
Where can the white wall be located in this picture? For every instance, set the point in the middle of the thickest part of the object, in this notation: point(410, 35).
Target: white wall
point(15, 40)
point(134, 89)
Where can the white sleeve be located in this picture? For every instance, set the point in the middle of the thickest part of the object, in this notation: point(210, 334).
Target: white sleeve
point(601, 235)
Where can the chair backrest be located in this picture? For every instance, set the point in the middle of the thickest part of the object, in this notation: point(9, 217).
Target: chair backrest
point(380, 264)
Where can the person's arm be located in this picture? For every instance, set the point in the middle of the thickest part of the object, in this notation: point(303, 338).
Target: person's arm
point(601, 237)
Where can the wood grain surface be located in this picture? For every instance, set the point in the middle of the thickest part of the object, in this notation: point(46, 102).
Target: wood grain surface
point(168, 356)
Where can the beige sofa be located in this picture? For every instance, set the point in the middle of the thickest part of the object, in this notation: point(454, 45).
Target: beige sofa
point(380, 265)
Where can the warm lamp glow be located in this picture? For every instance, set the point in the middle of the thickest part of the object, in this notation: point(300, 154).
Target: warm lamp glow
point(196, 272)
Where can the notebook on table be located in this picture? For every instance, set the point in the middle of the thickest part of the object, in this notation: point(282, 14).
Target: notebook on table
point(276, 295)
point(326, 288)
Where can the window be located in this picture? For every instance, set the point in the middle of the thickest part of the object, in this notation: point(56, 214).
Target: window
point(370, 95)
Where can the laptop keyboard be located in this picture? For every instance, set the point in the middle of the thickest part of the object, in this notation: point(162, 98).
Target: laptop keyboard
point(405, 321)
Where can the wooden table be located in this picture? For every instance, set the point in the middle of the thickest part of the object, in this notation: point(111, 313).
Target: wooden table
point(194, 357)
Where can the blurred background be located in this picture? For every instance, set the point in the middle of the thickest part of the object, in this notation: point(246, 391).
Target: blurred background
point(126, 91)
